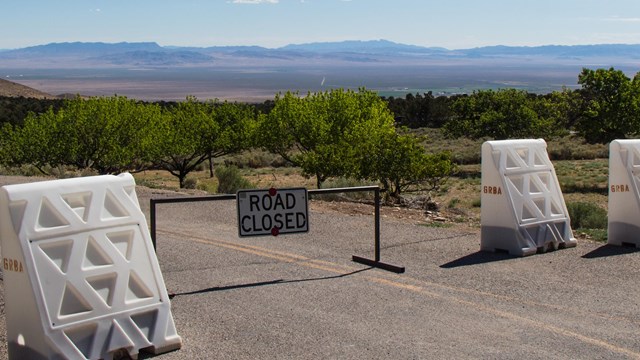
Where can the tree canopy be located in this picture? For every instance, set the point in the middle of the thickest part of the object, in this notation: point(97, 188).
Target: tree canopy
point(610, 105)
point(344, 133)
point(191, 132)
point(116, 134)
point(325, 133)
point(501, 114)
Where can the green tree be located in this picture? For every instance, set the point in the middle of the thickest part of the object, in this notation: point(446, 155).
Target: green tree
point(193, 131)
point(108, 134)
point(400, 163)
point(324, 133)
point(562, 107)
point(611, 104)
point(237, 123)
point(42, 141)
point(104, 134)
point(502, 114)
point(14, 110)
point(421, 110)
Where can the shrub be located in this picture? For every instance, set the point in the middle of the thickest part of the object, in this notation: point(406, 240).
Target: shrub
point(259, 160)
point(587, 216)
point(190, 183)
point(453, 203)
point(230, 180)
point(278, 162)
point(208, 185)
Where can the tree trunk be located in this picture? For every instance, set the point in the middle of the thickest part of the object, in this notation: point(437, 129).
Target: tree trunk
point(210, 166)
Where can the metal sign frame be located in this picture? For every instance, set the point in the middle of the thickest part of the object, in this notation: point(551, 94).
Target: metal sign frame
point(375, 262)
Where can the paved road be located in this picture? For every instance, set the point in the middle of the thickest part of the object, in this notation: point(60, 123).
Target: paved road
point(301, 297)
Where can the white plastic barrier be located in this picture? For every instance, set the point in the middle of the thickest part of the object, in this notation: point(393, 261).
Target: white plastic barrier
point(81, 278)
point(624, 197)
point(522, 210)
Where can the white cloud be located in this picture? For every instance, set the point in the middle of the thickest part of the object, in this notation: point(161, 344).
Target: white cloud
point(623, 19)
point(255, 1)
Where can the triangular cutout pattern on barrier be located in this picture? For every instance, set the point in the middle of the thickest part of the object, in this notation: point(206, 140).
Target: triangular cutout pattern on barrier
point(528, 214)
point(541, 204)
point(104, 286)
point(538, 160)
point(556, 209)
point(73, 302)
point(17, 209)
point(524, 154)
point(146, 322)
point(123, 241)
point(49, 217)
point(83, 337)
point(112, 207)
point(545, 180)
point(517, 182)
point(511, 162)
point(118, 338)
point(533, 185)
point(137, 290)
point(95, 256)
point(79, 203)
point(59, 252)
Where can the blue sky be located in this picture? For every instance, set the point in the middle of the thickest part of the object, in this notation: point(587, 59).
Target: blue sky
point(453, 24)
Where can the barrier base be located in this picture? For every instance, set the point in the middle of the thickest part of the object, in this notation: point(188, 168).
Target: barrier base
point(521, 243)
point(623, 234)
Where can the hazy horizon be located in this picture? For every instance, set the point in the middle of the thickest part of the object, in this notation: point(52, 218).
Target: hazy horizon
point(259, 85)
point(453, 25)
point(170, 46)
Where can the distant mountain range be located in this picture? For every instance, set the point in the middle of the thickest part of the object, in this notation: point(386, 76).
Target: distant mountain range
point(381, 52)
point(146, 70)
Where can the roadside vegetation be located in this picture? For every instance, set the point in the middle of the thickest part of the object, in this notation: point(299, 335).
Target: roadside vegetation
point(420, 149)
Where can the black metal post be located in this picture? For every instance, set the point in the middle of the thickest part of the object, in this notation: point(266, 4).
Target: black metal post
point(376, 262)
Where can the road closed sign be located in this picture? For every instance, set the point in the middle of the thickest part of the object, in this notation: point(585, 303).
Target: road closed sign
point(272, 212)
